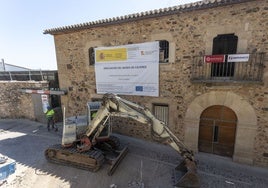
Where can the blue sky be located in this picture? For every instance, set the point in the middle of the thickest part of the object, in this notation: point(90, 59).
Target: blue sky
point(22, 23)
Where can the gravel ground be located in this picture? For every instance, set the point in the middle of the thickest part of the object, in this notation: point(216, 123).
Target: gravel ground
point(147, 165)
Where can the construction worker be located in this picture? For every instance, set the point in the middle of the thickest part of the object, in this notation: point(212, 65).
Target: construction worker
point(50, 118)
point(93, 115)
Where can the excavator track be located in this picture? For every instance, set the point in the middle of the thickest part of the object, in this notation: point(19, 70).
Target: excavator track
point(91, 160)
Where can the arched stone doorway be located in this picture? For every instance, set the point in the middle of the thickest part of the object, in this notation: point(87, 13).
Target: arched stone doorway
point(246, 122)
point(217, 130)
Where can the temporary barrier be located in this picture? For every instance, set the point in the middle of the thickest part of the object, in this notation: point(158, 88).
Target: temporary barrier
point(47, 92)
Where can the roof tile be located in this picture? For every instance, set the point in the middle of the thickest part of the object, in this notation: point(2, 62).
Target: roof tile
point(157, 12)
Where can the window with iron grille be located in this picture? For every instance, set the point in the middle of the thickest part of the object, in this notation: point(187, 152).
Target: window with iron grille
point(91, 54)
point(161, 112)
point(163, 51)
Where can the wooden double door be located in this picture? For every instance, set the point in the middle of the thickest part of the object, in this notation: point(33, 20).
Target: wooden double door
point(217, 130)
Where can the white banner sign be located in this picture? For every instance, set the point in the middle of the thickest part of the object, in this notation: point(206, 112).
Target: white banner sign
point(45, 102)
point(128, 70)
point(238, 57)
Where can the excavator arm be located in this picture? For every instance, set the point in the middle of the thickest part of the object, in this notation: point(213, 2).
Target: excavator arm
point(114, 106)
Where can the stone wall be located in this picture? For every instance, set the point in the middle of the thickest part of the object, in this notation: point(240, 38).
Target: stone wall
point(15, 104)
point(189, 34)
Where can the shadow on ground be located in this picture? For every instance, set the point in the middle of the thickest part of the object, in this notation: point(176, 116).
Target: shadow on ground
point(25, 142)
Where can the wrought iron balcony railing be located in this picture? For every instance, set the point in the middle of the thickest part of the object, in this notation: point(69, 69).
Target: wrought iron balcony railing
point(249, 70)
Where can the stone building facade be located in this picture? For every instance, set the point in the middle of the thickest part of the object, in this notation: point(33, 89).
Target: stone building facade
point(204, 107)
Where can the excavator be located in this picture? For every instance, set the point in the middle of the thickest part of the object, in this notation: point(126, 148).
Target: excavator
point(87, 141)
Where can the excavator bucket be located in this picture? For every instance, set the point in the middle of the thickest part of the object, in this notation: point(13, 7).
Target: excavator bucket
point(190, 178)
point(116, 161)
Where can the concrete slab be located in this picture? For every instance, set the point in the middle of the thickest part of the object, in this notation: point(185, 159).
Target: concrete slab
point(146, 165)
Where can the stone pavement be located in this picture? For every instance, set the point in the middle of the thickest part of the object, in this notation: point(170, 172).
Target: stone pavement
point(146, 165)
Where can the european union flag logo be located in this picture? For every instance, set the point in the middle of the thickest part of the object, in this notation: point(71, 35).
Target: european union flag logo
point(139, 88)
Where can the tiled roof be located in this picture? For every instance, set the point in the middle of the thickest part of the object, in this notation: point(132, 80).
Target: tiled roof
point(142, 15)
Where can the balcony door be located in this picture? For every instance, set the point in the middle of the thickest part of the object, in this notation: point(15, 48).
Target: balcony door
point(224, 44)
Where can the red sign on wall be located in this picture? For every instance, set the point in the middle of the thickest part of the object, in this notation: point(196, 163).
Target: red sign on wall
point(214, 58)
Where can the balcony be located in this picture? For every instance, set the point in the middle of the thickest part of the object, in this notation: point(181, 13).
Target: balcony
point(248, 68)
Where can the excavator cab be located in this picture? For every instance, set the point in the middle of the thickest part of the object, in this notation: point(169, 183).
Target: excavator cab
point(76, 126)
point(92, 109)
